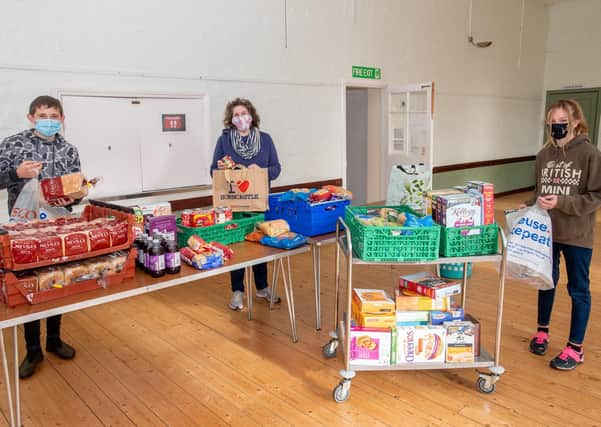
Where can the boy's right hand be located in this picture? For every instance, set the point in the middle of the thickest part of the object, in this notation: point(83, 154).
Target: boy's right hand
point(29, 169)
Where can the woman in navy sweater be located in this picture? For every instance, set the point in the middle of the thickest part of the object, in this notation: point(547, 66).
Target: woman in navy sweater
point(246, 145)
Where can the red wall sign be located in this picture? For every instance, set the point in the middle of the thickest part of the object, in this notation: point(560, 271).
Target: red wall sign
point(174, 122)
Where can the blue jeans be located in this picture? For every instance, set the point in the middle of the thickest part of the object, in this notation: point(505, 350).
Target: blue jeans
point(577, 261)
point(260, 273)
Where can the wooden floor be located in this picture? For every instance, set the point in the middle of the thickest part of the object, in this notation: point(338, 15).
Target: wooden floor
point(180, 357)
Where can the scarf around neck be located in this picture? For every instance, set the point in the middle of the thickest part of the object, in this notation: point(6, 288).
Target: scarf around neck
point(249, 148)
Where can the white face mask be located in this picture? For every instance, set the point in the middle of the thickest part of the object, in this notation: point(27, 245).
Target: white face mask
point(242, 122)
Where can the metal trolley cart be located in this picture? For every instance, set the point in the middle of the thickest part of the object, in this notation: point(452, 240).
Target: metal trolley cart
point(485, 381)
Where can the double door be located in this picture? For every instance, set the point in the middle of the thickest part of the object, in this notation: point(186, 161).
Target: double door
point(139, 144)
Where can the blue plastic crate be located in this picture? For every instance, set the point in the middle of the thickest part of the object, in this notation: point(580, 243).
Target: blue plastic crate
point(309, 219)
point(273, 212)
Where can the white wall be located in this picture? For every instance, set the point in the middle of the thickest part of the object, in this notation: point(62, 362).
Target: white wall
point(237, 47)
point(573, 54)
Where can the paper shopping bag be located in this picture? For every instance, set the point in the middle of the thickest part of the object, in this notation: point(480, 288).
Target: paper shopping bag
point(241, 189)
point(408, 184)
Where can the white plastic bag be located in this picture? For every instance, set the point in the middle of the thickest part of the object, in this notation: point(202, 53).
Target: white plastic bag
point(30, 205)
point(530, 247)
point(408, 184)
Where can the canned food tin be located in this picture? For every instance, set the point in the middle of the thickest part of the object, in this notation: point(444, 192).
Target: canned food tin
point(187, 218)
point(223, 214)
point(203, 218)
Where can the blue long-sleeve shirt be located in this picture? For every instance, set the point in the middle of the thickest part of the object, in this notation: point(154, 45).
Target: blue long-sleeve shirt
point(267, 157)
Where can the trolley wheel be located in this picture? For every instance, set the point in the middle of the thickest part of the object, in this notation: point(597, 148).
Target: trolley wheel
point(342, 391)
point(329, 350)
point(485, 385)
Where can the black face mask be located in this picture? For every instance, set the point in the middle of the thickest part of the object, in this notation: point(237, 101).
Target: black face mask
point(559, 130)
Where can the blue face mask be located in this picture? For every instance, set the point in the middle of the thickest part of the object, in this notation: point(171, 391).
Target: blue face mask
point(48, 127)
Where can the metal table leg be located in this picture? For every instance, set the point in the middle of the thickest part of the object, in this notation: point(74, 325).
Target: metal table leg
point(274, 285)
point(316, 251)
point(287, 279)
point(249, 291)
point(17, 390)
point(9, 393)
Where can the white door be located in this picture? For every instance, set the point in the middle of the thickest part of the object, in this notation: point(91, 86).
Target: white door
point(106, 132)
point(410, 120)
point(174, 159)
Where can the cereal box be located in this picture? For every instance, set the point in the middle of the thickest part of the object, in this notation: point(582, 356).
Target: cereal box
point(476, 323)
point(460, 342)
point(370, 346)
point(460, 210)
point(383, 320)
point(373, 301)
point(421, 344)
point(429, 285)
point(431, 196)
point(488, 200)
point(409, 300)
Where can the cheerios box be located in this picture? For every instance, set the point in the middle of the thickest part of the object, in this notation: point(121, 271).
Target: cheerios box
point(370, 346)
point(421, 344)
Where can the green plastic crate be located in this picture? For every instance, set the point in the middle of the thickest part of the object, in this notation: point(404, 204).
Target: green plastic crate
point(226, 233)
point(405, 244)
point(468, 241)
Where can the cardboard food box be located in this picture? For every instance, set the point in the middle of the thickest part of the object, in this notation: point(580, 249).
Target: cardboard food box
point(70, 185)
point(460, 342)
point(460, 210)
point(409, 300)
point(429, 285)
point(412, 317)
point(431, 196)
point(156, 209)
point(477, 332)
point(163, 224)
point(488, 199)
point(373, 301)
point(438, 317)
point(370, 346)
point(370, 320)
point(421, 344)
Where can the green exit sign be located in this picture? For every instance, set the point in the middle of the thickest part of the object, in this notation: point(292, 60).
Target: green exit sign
point(367, 72)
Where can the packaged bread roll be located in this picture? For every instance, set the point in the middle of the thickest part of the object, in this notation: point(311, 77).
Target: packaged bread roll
point(24, 249)
point(274, 228)
point(76, 272)
point(70, 185)
point(50, 246)
point(117, 262)
point(99, 267)
point(49, 278)
point(75, 243)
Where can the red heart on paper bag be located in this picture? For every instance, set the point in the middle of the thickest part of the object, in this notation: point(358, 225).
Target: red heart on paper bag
point(243, 185)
